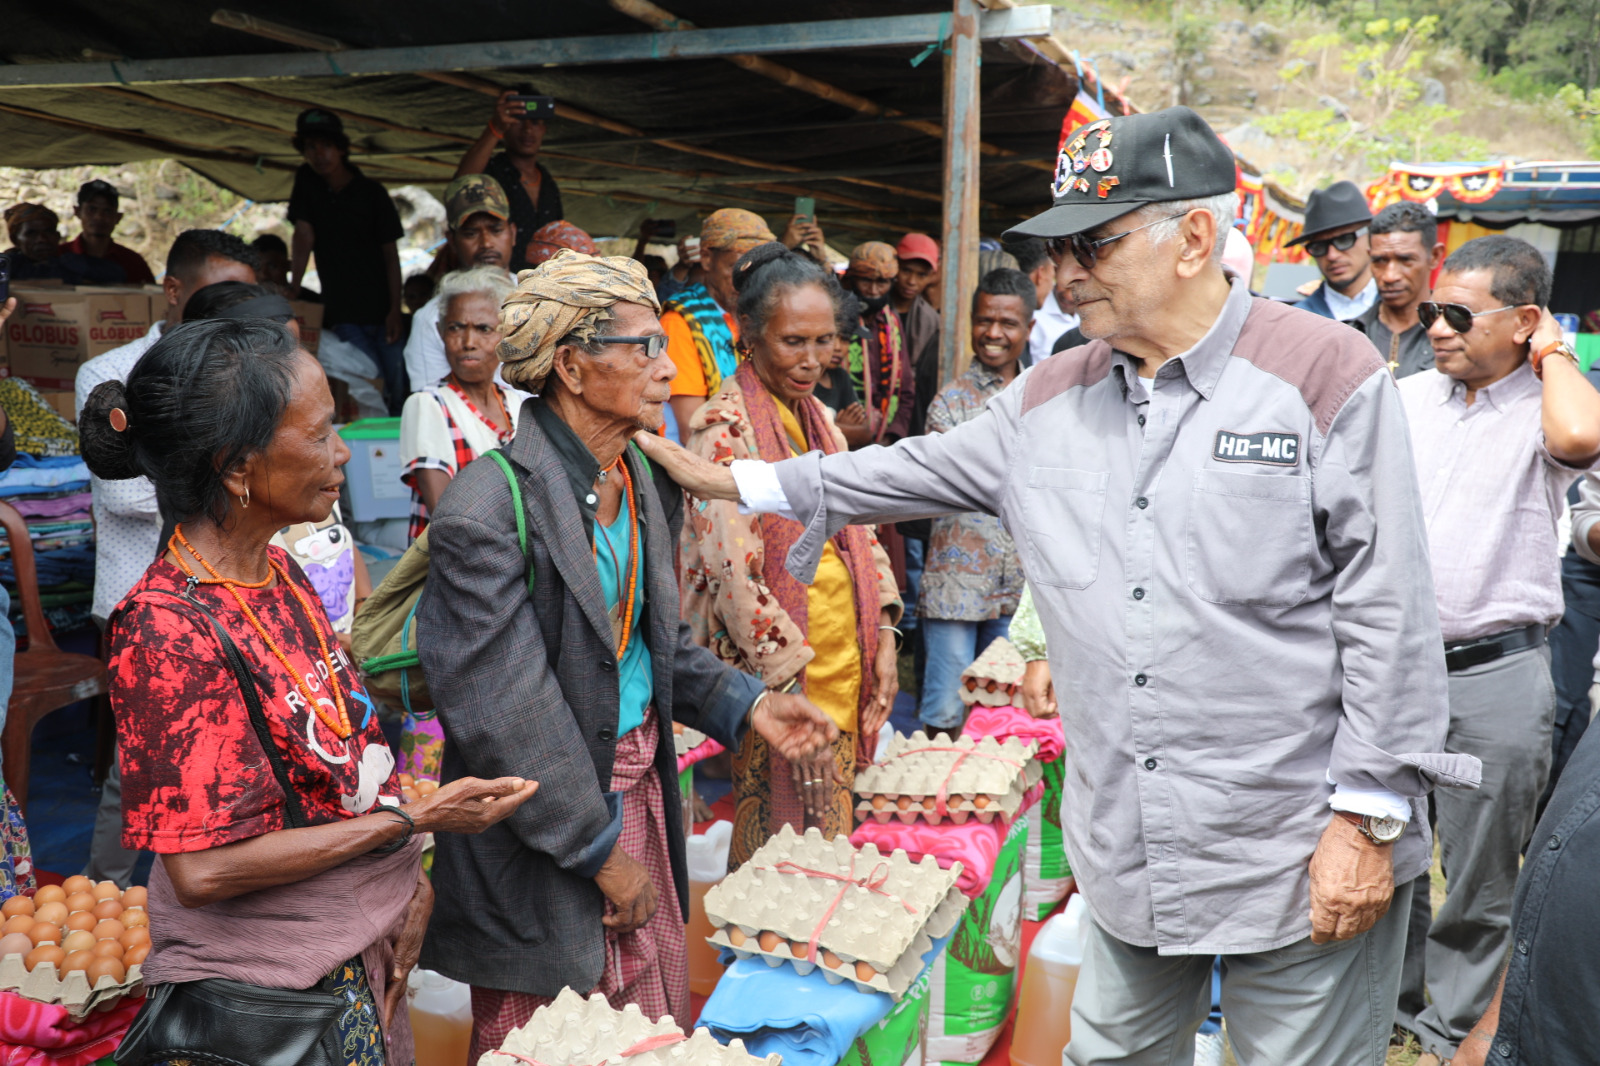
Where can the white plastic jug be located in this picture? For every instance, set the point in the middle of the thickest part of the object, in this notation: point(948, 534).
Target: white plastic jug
point(441, 1019)
point(1044, 1010)
point(708, 864)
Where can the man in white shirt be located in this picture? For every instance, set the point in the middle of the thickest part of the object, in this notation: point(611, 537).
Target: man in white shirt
point(481, 234)
point(127, 523)
point(1336, 238)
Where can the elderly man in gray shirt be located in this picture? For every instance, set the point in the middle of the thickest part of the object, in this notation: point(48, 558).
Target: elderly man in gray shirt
point(1215, 503)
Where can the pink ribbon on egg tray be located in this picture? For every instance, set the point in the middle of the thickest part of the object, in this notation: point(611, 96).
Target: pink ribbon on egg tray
point(651, 1043)
point(939, 804)
point(873, 882)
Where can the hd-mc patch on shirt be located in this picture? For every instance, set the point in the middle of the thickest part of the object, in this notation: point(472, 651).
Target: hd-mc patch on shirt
point(1271, 449)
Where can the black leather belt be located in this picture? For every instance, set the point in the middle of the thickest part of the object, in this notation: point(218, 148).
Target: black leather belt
point(1488, 649)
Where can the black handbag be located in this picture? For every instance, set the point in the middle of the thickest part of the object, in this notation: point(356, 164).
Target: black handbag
point(219, 1022)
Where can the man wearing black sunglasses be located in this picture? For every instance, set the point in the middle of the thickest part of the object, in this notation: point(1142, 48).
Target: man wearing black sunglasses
point(1215, 504)
point(1336, 239)
point(1500, 430)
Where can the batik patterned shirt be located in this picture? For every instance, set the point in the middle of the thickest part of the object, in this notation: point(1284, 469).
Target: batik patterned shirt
point(972, 573)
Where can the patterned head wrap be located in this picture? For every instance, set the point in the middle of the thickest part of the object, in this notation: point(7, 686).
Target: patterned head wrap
point(874, 259)
point(18, 215)
point(551, 237)
point(736, 228)
point(569, 294)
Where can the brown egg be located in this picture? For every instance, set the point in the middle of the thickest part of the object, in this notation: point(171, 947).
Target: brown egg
point(878, 803)
point(955, 802)
point(930, 802)
point(134, 938)
point(406, 780)
point(134, 917)
point(76, 960)
point(16, 905)
point(769, 940)
point(81, 920)
point(108, 929)
point(136, 956)
point(980, 801)
point(45, 953)
point(736, 936)
point(54, 913)
point(17, 923)
point(15, 944)
point(80, 901)
point(112, 968)
point(136, 896)
point(411, 795)
point(798, 948)
point(75, 883)
point(50, 894)
point(107, 908)
point(106, 890)
point(78, 940)
point(427, 786)
point(108, 949)
point(865, 972)
point(44, 933)
point(904, 803)
point(831, 961)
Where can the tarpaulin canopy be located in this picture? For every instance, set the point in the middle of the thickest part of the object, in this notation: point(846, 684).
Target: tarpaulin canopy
point(652, 123)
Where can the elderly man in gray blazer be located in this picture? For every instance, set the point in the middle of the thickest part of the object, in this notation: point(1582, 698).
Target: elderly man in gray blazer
point(571, 664)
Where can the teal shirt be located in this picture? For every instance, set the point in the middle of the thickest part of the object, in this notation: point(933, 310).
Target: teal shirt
point(611, 543)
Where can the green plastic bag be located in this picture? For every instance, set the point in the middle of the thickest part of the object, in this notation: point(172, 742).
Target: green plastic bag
point(973, 980)
point(898, 1039)
point(1046, 873)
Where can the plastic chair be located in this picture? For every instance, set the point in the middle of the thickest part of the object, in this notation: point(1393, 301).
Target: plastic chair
point(47, 678)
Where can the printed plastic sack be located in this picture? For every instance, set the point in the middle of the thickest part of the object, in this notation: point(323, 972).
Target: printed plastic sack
point(1046, 873)
point(899, 1037)
point(973, 980)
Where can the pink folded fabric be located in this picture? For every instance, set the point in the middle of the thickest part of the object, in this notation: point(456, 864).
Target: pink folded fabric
point(44, 1034)
point(1003, 722)
point(975, 845)
point(698, 752)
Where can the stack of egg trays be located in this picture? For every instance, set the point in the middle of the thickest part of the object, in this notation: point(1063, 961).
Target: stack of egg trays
point(994, 676)
point(990, 783)
point(572, 1031)
point(685, 740)
point(873, 939)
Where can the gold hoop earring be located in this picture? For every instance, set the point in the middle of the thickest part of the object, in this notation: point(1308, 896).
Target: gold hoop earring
point(244, 501)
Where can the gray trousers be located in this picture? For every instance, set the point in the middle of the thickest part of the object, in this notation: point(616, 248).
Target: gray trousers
point(1302, 1005)
point(108, 859)
point(1502, 712)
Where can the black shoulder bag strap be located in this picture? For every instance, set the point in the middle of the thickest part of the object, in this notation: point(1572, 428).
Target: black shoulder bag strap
point(295, 813)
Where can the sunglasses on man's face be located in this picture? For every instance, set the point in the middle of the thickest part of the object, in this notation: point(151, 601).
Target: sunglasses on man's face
point(653, 346)
point(1457, 316)
point(1085, 251)
point(1344, 242)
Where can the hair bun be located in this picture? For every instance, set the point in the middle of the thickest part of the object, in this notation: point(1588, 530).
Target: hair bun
point(756, 258)
point(108, 453)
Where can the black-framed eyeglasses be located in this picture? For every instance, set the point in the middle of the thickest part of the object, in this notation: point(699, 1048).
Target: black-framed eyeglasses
point(1457, 316)
point(653, 346)
point(1086, 251)
point(1344, 242)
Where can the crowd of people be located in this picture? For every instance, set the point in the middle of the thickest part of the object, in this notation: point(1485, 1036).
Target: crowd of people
point(1293, 578)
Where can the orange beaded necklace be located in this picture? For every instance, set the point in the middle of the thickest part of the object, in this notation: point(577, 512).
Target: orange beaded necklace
point(341, 725)
point(633, 555)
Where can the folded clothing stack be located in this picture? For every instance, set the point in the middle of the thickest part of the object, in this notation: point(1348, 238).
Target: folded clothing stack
point(573, 1031)
point(856, 914)
point(51, 492)
point(942, 779)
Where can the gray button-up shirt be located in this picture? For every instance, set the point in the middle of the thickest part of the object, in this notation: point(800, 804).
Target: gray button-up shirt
point(1231, 565)
point(1408, 352)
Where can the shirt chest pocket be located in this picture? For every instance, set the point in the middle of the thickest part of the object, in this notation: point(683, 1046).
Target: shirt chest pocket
point(1250, 538)
point(1063, 512)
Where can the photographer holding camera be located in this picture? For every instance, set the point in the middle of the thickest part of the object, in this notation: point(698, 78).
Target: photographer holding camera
point(518, 126)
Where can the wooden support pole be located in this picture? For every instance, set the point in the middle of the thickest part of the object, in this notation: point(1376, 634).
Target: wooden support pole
point(959, 230)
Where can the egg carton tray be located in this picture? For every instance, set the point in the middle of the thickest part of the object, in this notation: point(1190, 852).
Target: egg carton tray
point(573, 1031)
point(685, 740)
point(916, 766)
point(994, 677)
point(71, 991)
point(878, 914)
point(959, 809)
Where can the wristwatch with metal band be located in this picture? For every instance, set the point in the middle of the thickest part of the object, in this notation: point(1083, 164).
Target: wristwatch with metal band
point(1379, 830)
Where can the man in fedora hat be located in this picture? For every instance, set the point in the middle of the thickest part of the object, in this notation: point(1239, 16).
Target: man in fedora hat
point(1335, 236)
point(1258, 700)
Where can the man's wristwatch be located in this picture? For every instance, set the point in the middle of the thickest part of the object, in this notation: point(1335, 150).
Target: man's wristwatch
point(1558, 348)
point(1379, 830)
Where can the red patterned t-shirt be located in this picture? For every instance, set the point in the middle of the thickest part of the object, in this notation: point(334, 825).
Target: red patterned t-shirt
point(194, 775)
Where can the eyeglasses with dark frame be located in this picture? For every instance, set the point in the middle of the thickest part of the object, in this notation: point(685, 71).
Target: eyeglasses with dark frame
point(653, 346)
point(1085, 251)
point(1343, 242)
point(1457, 316)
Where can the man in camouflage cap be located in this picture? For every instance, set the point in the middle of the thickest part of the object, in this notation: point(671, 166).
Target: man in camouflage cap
point(481, 233)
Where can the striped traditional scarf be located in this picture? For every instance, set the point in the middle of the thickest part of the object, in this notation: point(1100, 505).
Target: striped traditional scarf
point(719, 357)
point(879, 385)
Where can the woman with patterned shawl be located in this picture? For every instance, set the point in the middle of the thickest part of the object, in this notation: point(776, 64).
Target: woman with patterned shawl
point(834, 641)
